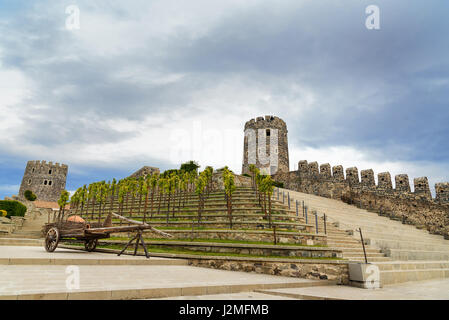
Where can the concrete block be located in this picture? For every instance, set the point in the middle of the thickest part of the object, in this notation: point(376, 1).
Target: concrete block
point(364, 275)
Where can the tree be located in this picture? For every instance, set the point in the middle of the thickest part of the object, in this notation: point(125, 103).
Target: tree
point(62, 202)
point(153, 181)
point(253, 169)
point(142, 190)
point(266, 186)
point(200, 184)
point(161, 187)
point(229, 185)
point(83, 198)
point(190, 166)
point(113, 191)
point(121, 196)
point(92, 193)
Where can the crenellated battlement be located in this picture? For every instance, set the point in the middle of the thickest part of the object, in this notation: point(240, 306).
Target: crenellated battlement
point(313, 172)
point(442, 192)
point(368, 178)
point(384, 181)
point(415, 207)
point(45, 164)
point(267, 121)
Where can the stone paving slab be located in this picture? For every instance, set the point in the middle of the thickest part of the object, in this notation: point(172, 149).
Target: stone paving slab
point(423, 290)
point(133, 282)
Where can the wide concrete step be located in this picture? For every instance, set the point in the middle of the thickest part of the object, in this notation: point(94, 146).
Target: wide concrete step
point(361, 258)
point(346, 244)
point(349, 255)
point(401, 276)
point(403, 244)
point(397, 254)
point(412, 265)
point(351, 250)
point(383, 226)
point(20, 242)
point(405, 237)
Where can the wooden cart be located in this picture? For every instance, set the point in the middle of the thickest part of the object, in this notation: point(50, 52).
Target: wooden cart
point(64, 229)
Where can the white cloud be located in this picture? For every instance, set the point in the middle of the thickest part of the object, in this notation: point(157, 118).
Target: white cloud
point(8, 188)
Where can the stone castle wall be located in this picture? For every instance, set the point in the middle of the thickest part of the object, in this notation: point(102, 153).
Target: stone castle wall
point(46, 180)
point(415, 207)
point(266, 125)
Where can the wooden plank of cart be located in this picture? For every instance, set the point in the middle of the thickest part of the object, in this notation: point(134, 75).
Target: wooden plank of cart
point(74, 227)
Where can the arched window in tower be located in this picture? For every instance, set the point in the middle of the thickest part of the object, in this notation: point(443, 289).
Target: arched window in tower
point(45, 182)
point(268, 132)
point(49, 171)
point(49, 183)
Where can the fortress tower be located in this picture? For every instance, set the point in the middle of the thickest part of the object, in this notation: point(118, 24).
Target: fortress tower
point(266, 145)
point(46, 180)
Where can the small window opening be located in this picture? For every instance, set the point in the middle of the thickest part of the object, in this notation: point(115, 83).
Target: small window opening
point(268, 132)
point(49, 171)
point(45, 182)
point(49, 183)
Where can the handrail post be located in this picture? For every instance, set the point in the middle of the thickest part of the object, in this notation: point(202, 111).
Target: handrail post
point(305, 209)
point(288, 194)
point(274, 235)
point(297, 213)
point(325, 228)
point(283, 197)
point(316, 222)
point(363, 245)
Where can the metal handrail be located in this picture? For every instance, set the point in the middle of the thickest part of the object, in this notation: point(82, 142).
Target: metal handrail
point(363, 244)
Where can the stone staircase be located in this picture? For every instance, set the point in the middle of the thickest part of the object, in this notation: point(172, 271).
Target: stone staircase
point(402, 252)
point(31, 227)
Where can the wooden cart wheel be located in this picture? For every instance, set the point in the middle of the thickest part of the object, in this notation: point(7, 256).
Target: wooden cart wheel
point(90, 245)
point(52, 239)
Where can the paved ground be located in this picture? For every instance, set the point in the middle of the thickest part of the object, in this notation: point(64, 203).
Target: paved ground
point(113, 280)
point(422, 290)
point(232, 296)
point(31, 280)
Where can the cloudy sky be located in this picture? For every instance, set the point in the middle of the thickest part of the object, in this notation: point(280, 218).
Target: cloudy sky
point(161, 82)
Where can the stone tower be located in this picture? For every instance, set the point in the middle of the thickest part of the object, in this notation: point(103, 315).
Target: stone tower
point(46, 180)
point(266, 145)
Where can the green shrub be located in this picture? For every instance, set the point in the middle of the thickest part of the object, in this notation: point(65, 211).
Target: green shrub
point(29, 195)
point(278, 184)
point(190, 166)
point(13, 208)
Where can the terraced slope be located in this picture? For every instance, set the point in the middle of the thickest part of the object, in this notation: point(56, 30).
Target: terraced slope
point(411, 254)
